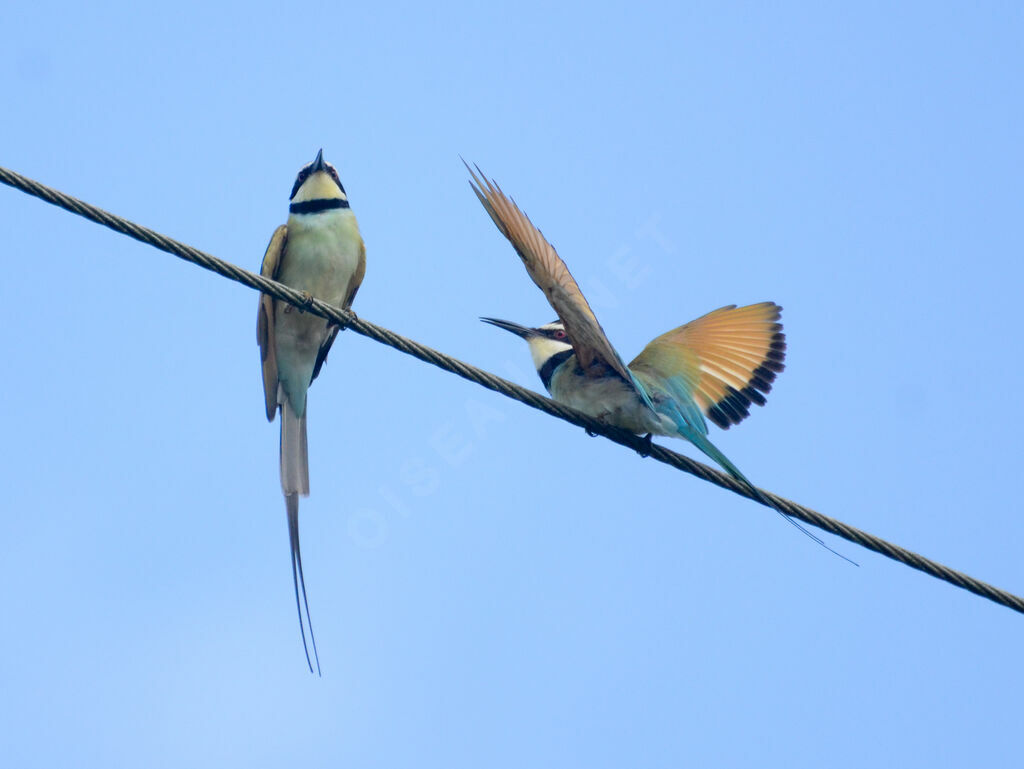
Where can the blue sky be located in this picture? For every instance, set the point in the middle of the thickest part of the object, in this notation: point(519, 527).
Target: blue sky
point(490, 587)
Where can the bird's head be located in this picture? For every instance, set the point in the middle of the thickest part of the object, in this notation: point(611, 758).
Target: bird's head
point(546, 342)
point(317, 181)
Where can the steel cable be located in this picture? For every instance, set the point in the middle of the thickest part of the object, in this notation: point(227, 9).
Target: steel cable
point(509, 389)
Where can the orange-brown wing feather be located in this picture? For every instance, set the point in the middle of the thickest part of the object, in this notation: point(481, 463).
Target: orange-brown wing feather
point(552, 276)
point(728, 359)
point(270, 268)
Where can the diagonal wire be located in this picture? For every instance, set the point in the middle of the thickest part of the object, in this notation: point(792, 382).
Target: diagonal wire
point(347, 319)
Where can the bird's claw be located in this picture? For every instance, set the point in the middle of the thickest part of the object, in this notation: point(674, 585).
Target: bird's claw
point(307, 301)
point(646, 447)
point(590, 432)
point(343, 326)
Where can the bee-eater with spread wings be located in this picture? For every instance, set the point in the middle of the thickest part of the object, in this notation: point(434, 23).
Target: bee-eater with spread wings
point(319, 251)
point(715, 366)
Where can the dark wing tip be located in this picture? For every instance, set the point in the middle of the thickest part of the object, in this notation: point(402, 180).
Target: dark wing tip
point(734, 406)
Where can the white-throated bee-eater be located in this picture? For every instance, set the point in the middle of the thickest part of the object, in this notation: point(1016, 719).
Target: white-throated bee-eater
point(715, 366)
point(319, 251)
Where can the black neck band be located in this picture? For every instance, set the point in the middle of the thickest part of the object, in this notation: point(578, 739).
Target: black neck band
point(316, 206)
point(548, 369)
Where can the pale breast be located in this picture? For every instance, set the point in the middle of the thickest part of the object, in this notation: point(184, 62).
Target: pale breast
point(322, 254)
point(608, 398)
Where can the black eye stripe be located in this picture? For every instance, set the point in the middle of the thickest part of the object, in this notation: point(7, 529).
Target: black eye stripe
point(334, 175)
point(304, 174)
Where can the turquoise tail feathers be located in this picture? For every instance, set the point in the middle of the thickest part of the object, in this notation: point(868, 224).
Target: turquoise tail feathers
point(696, 434)
point(702, 443)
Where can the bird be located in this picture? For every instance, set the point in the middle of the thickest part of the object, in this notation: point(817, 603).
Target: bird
point(320, 252)
point(714, 367)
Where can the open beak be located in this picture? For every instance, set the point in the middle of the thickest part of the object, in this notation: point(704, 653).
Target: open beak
point(515, 328)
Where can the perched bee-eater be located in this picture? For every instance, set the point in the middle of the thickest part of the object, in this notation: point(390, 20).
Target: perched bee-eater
point(715, 366)
point(319, 251)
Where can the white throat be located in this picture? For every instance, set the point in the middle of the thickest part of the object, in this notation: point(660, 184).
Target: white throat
point(542, 348)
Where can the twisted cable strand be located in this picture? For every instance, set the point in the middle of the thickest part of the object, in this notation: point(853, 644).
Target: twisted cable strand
point(346, 319)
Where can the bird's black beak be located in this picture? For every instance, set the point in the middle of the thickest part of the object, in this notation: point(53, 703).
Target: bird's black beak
point(318, 164)
point(515, 328)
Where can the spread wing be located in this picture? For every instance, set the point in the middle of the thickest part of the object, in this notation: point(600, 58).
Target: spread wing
point(593, 350)
point(265, 320)
point(726, 359)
